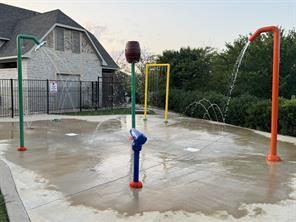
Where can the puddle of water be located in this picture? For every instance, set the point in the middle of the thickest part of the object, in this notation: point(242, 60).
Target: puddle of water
point(191, 149)
point(77, 168)
point(71, 134)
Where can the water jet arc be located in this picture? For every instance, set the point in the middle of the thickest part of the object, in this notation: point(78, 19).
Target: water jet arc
point(273, 156)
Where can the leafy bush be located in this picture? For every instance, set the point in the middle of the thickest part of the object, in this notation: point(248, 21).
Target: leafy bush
point(245, 110)
point(239, 109)
point(287, 123)
point(211, 70)
point(259, 115)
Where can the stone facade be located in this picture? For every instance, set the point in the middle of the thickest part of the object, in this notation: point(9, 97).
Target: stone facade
point(49, 40)
point(8, 73)
point(48, 63)
point(86, 46)
point(11, 73)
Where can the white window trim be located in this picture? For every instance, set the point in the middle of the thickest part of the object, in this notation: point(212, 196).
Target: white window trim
point(5, 39)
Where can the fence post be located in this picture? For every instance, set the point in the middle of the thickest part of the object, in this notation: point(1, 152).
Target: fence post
point(98, 96)
point(12, 99)
point(47, 96)
point(112, 92)
point(92, 94)
point(80, 96)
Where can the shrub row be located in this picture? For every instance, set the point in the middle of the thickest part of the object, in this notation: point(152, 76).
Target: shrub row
point(245, 110)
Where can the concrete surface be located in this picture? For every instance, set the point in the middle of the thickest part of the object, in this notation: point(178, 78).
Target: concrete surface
point(78, 169)
point(15, 209)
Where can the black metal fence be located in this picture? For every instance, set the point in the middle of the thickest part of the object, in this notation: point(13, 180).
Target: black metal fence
point(60, 96)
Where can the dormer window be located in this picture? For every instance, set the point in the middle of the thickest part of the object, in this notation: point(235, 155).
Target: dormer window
point(75, 42)
point(59, 39)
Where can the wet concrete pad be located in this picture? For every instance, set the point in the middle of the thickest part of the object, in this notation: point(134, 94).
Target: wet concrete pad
point(93, 168)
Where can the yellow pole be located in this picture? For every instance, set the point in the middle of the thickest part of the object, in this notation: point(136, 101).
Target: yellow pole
point(146, 92)
point(167, 94)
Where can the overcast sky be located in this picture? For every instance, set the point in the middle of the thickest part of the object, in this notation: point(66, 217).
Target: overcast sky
point(170, 24)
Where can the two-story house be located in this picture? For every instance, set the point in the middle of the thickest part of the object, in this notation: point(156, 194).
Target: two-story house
point(71, 53)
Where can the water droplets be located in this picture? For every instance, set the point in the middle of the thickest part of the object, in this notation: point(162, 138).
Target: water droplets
point(212, 111)
point(234, 77)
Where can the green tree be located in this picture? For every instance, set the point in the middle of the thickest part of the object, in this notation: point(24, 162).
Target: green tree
point(190, 68)
point(288, 65)
point(255, 73)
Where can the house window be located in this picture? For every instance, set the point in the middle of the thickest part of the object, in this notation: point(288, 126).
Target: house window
point(75, 42)
point(8, 65)
point(59, 39)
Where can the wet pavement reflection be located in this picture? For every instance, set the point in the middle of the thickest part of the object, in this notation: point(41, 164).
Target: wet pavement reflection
point(189, 164)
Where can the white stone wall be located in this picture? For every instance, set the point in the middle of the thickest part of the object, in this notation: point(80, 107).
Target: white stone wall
point(47, 62)
point(5, 94)
point(11, 73)
point(8, 73)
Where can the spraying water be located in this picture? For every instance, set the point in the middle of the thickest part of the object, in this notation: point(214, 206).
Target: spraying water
point(100, 126)
point(234, 77)
point(66, 86)
point(208, 106)
point(29, 123)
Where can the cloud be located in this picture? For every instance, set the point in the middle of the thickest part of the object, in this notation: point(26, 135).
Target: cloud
point(97, 30)
point(112, 41)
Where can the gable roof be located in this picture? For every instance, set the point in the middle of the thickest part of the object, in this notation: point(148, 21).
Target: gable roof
point(103, 52)
point(16, 20)
point(9, 16)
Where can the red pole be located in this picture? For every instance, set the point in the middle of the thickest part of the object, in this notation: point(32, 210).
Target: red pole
point(273, 156)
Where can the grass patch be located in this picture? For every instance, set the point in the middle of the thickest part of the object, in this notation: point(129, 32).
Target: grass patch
point(118, 111)
point(3, 212)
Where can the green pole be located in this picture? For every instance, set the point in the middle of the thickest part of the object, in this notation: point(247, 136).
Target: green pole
point(20, 91)
point(133, 95)
point(20, 86)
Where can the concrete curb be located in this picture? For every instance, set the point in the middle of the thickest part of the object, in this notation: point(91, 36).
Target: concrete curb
point(15, 208)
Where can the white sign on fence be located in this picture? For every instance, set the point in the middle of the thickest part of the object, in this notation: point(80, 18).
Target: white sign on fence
point(53, 86)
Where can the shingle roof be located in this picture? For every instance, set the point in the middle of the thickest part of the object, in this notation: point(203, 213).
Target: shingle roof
point(16, 20)
point(9, 16)
point(103, 52)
